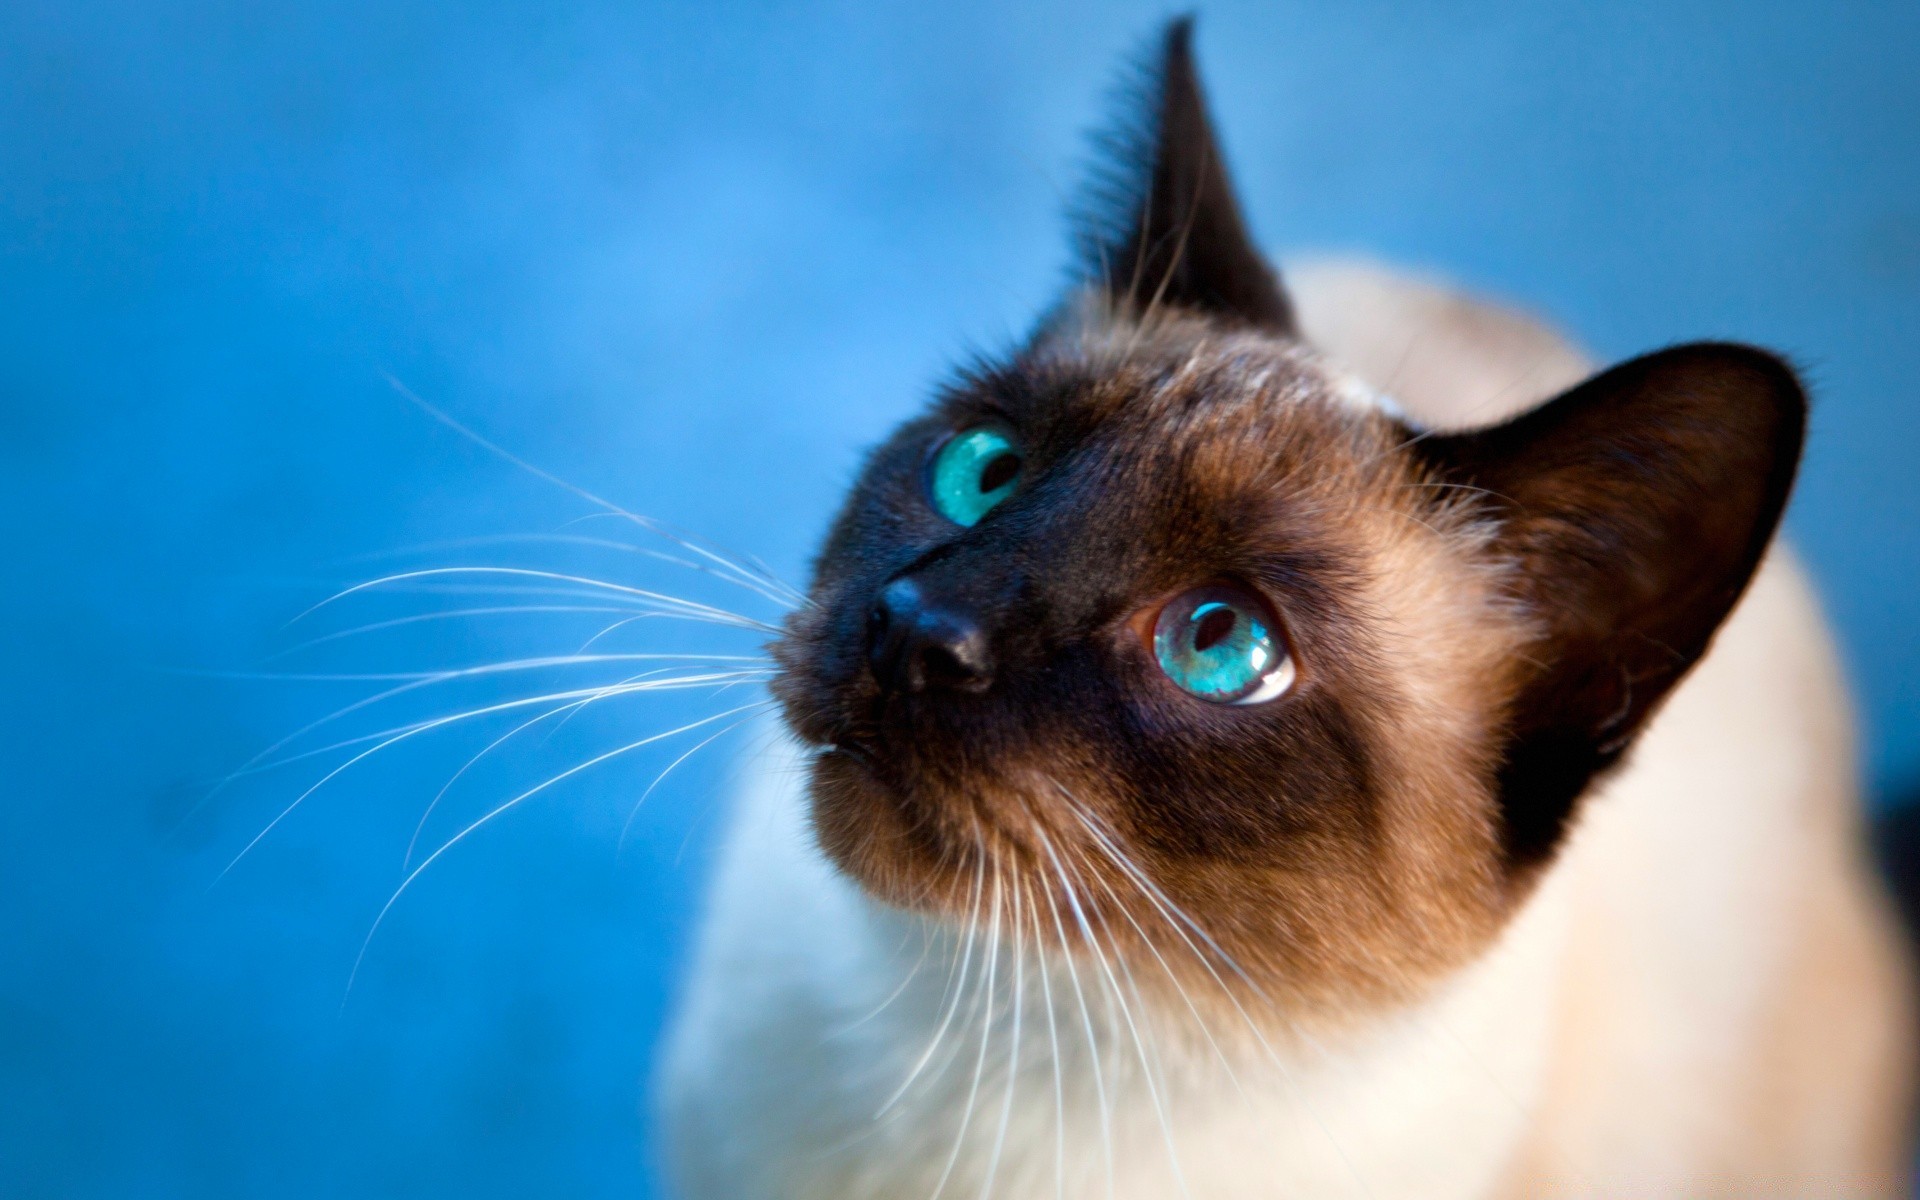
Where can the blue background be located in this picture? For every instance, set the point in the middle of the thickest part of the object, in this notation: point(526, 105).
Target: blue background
point(692, 257)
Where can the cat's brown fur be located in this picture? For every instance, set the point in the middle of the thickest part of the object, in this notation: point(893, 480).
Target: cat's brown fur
point(1378, 865)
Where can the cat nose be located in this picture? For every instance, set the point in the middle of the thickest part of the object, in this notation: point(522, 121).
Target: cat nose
point(915, 643)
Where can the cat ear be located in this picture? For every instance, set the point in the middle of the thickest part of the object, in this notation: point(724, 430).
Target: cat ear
point(1162, 226)
point(1636, 507)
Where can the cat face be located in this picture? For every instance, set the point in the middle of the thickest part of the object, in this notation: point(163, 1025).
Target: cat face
point(1024, 712)
point(1161, 629)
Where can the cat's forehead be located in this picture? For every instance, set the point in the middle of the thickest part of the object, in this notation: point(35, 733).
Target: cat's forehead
point(1155, 459)
point(1190, 406)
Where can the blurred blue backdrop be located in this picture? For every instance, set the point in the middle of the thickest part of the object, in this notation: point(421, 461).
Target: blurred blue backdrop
point(692, 257)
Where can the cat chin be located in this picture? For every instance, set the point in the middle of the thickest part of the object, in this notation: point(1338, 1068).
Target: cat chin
point(862, 826)
point(929, 855)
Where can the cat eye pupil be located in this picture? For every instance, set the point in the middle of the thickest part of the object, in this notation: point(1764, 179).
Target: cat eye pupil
point(972, 471)
point(1221, 643)
point(1213, 625)
point(999, 472)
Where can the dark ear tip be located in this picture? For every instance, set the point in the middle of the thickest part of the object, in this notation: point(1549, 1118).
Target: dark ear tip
point(1751, 373)
point(1178, 73)
point(1734, 357)
point(1163, 229)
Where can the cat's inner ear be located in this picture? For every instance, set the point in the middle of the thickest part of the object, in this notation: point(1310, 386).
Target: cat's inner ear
point(1635, 508)
point(1161, 226)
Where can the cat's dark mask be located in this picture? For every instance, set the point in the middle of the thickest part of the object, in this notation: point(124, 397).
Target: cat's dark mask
point(1462, 632)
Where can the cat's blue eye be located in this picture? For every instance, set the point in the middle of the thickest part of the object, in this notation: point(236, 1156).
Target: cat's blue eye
point(1222, 644)
point(973, 471)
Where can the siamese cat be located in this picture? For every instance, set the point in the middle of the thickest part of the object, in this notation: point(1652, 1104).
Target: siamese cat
point(1309, 741)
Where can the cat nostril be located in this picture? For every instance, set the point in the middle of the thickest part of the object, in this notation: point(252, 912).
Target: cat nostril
point(913, 644)
point(944, 664)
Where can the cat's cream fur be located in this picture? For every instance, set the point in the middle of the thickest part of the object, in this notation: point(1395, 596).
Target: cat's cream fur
point(1705, 996)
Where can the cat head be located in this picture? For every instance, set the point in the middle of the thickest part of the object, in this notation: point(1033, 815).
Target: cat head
point(1164, 621)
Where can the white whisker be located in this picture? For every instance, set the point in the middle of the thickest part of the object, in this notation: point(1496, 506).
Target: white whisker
point(542, 663)
point(593, 543)
point(986, 1034)
point(410, 732)
point(501, 809)
point(413, 841)
point(719, 680)
point(607, 506)
point(607, 630)
point(497, 589)
point(449, 615)
point(957, 989)
point(1200, 1020)
point(926, 951)
point(1013, 1063)
point(668, 605)
point(743, 570)
point(1126, 1013)
point(570, 708)
point(1169, 910)
point(1053, 1041)
point(1086, 1014)
point(626, 826)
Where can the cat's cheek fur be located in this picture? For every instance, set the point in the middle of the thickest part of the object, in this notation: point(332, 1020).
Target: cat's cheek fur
point(1387, 876)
